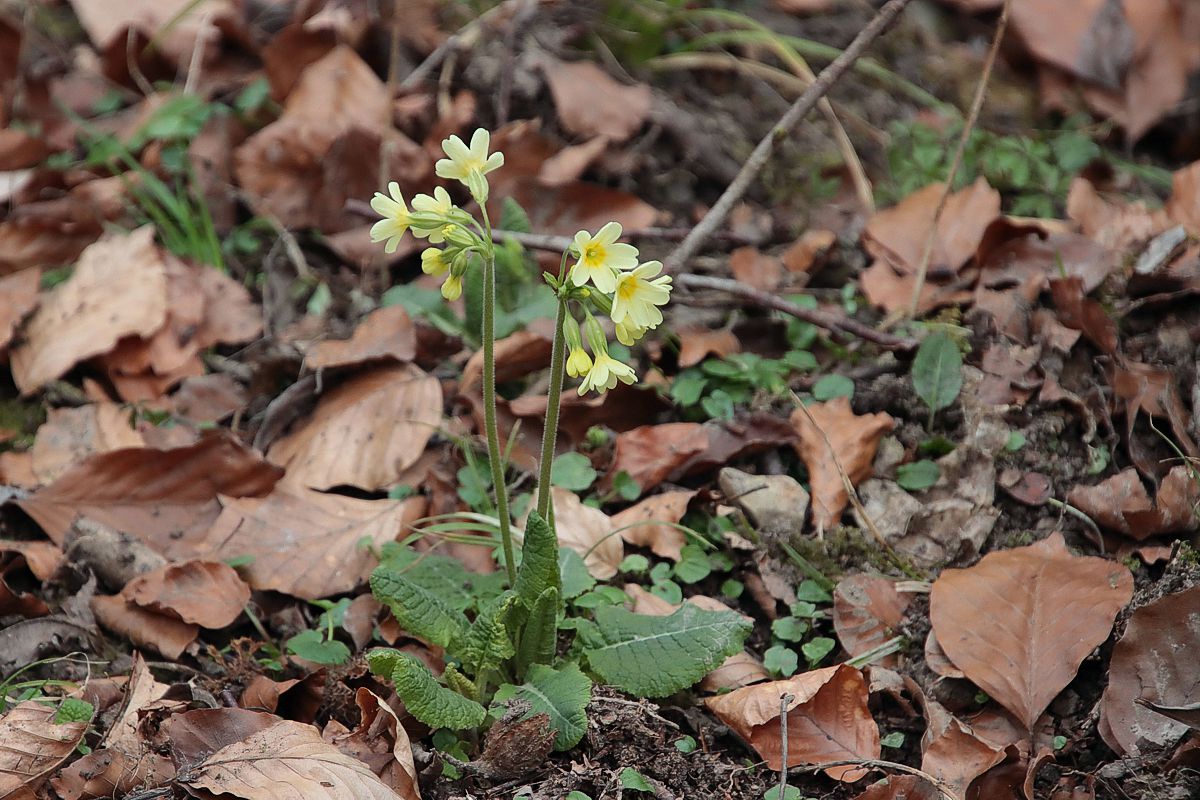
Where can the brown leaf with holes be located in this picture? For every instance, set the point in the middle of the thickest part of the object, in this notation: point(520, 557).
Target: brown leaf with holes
point(897, 234)
point(591, 103)
point(69, 435)
point(386, 333)
point(1020, 622)
point(206, 593)
point(32, 746)
point(1155, 662)
point(866, 611)
point(287, 758)
point(653, 523)
point(163, 497)
point(364, 432)
point(698, 344)
point(18, 297)
point(828, 719)
point(854, 439)
point(653, 452)
point(118, 289)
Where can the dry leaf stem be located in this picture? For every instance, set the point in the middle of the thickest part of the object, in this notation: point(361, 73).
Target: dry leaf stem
point(969, 125)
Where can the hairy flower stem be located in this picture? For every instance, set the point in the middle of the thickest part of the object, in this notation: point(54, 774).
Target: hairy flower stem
point(558, 356)
point(488, 334)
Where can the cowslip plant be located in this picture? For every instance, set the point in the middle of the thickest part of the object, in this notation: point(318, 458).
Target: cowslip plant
point(501, 640)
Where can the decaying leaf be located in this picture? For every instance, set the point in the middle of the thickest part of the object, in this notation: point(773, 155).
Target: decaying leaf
point(698, 344)
point(866, 610)
point(590, 103)
point(1121, 503)
point(287, 759)
point(589, 532)
point(385, 333)
point(652, 452)
point(365, 432)
point(636, 523)
point(119, 288)
point(165, 634)
point(828, 719)
point(69, 435)
point(206, 593)
point(1154, 662)
point(952, 752)
point(18, 297)
point(32, 745)
point(160, 496)
point(854, 440)
point(380, 742)
point(1020, 622)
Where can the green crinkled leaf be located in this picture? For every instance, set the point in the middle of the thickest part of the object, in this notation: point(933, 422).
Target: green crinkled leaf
point(658, 656)
point(72, 709)
point(488, 642)
point(460, 683)
point(937, 371)
point(539, 561)
point(423, 696)
point(563, 694)
point(443, 576)
point(539, 637)
point(418, 610)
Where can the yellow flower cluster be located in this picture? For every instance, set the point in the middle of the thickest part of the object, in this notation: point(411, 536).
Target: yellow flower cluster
point(636, 294)
point(606, 276)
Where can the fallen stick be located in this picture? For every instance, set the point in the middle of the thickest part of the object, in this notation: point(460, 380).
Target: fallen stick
point(762, 152)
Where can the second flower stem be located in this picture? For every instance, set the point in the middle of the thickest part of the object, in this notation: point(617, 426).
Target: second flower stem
point(558, 353)
point(488, 334)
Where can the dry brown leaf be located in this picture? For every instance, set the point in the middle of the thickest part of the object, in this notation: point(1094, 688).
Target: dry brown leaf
point(1117, 225)
point(698, 344)
point(380, 742)
point(16, 469)
point(1183, 206)
point(1142, 388)
point(363, 432)
point(174, 29)
point(568, 164)
point(516, 355)
point(207, 398)
point(901, 787)
point(42, 558)
point(935, 658)
point(288, 759)
point(32, 746)
point(866, 610)
point(160, 496)
point(891, 291)
point(583, 529)
point(590, 103)
point(805, 251)
point(756, 269)
point(952, 753)
point(854, 440)
point(652, 452)
point(1121, 503)
point(18, 297)
point(304, 543)
point(828, 719)
point(69, 435)
point(327, 147)
point(118, 289)
point(206, 593)
point(1020, 622)
point(665, 539)
point(144, 628)
point(897, 234)
point(1155, 662)
point(384, 333)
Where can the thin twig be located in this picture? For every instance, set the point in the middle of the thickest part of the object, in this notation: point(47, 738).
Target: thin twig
point(758, 159)
point(969, 125)
point(784, 701)
point(822, 319)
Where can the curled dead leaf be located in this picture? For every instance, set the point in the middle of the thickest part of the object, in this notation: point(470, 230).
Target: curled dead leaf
point(866, 609)
point(386, 333)
point(206, 593)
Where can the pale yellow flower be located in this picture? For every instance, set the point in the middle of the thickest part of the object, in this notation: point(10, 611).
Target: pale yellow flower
point(601, 256)
point(578, 362)
point(452, 288)
point(438, 206)
point(638, 294)
point(433, 261)
point(628, 333)
point(469, 164)
point(396, 217)
point(605, 373)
